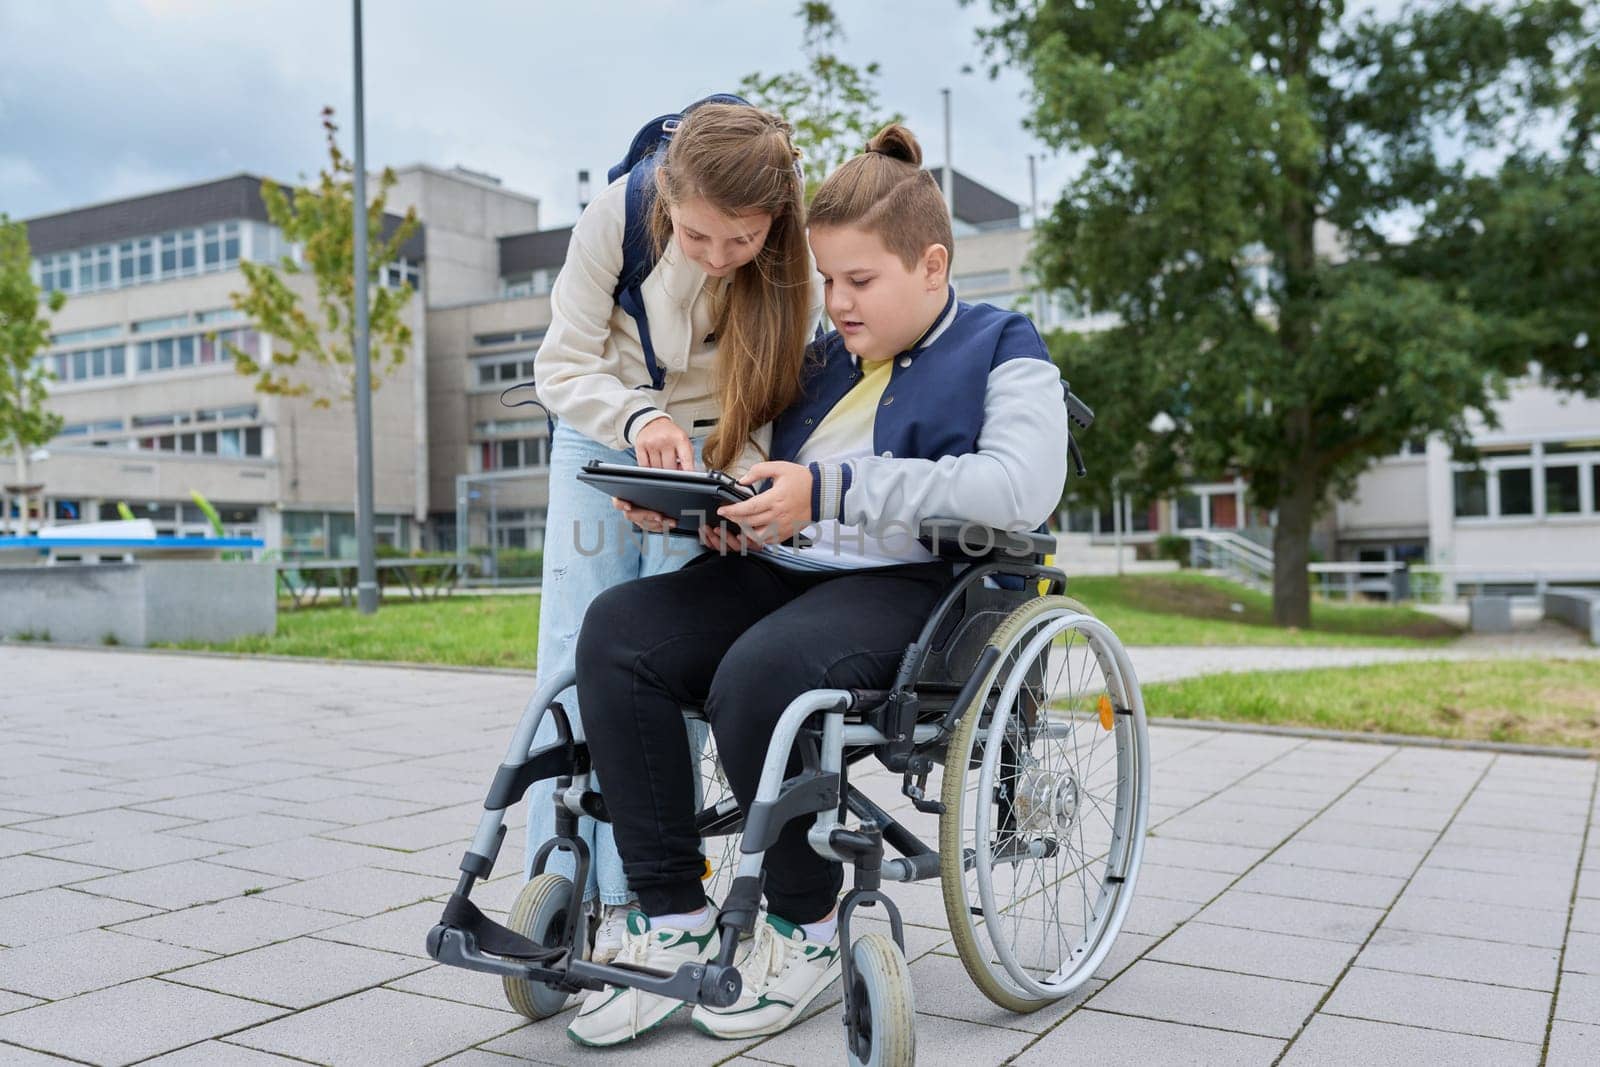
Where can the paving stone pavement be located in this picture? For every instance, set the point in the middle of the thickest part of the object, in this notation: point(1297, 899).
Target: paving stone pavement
point(218, 861)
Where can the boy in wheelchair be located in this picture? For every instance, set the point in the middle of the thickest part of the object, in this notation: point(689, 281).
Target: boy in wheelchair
point(916, 407)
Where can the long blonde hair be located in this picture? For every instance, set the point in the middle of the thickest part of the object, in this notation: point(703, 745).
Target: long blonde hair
point(741, 161)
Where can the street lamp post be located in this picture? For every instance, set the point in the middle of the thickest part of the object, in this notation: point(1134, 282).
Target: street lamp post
point(366, 569)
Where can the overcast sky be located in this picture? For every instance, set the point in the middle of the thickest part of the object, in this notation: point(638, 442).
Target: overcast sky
point(102, 99)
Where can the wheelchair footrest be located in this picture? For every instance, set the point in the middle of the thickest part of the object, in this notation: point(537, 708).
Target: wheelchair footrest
point(493, 938)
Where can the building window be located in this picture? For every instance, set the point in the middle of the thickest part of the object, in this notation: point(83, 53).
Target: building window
point(88, 364)
point(1189, 515)
point(191, 350)
point(503, 370)
point(513, 454)
point(400, 272)
point(1516, 491)
point(1472, 494)
point(201, 249)
point(1561, 496)
point(509, 337)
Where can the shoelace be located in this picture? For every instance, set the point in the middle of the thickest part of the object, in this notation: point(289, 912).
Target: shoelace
point(771, 952)
point(613, 923)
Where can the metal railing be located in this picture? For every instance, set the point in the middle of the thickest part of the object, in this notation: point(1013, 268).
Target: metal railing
point(1247, 561)
point(1237, 557)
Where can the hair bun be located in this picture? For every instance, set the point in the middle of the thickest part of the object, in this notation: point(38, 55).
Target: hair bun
point(897, 142)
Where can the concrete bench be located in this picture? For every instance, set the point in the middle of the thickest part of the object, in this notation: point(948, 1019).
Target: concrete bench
point(1576, 607)
point(138, 603)
point(1490, 614)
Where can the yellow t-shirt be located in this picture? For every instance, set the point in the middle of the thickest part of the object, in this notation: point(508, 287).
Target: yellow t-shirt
point(845, 433)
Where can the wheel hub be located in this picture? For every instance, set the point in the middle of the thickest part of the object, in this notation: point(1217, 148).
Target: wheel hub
point(1047, 801)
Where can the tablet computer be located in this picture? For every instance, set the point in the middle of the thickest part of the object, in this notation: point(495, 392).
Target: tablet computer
point(685, 496)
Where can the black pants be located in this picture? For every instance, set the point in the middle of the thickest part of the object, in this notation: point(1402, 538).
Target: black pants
point(744, 637)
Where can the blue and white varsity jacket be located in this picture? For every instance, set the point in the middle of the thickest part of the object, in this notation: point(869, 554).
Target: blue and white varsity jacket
point(972, 426)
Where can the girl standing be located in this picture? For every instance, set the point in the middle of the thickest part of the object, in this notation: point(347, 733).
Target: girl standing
point(728, 304)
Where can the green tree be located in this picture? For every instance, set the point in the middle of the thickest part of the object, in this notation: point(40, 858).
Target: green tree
point(1266, 206)
point(24, 422)
point(832, 104)
point(314, 353)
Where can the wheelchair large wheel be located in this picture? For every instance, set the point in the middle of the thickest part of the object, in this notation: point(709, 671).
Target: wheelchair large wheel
point(540, 915)
point(1046, 795)
point(882, 1028)
point(719, 811)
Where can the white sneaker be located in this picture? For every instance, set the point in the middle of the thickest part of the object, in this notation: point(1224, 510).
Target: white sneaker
point(782, 974)
point(613, 1015)
point(609, 931)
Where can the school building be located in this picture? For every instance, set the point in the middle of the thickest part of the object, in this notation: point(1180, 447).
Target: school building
point(154, 409)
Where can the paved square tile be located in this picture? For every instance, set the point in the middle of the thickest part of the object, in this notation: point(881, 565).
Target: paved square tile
point(1579, 999)
point(408, 1028)
point(1480, 887)
point(1487, 922)
point(300, 972)
point(20, 874)
point(115, 822)
point(1246, 1004)
point(1126, 1041)
point(47, 913)
point(1331, 1040)
point(179, 885)
point(309, 857)
point(231, 925)
point(10, 1002)
point(216, 1053)
point(361, 891)
point(137, 851)
point(257, 829)
point(91, 959)
point(1469, 959)
point(1286, 915)
point(1573, 1045)
point(1356, 859)
point(1308, 883)
point(1259, 952)
point(130, 1022)
point(1441, 1004)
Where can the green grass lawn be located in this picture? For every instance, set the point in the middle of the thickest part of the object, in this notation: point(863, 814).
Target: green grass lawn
point(468, 631)
point(502, 631)
point(1196, 609)
point(1549, 702)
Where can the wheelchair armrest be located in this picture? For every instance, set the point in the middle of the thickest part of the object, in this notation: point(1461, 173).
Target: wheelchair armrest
point(967, 542)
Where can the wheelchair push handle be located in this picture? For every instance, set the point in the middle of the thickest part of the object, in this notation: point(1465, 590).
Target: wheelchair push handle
point(1079, 417)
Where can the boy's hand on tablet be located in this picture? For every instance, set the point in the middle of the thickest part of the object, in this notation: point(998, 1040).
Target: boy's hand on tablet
point(725, 541)
point(663, 444)
point(780, 511)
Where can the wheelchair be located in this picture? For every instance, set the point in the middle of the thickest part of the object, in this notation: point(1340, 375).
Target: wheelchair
point(1015, 719)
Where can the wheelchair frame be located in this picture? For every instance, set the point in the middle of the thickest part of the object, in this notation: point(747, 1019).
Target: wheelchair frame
point(908, 726)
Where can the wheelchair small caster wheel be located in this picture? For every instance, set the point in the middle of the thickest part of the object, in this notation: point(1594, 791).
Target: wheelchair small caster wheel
point(880, 1026)
point(540, 915)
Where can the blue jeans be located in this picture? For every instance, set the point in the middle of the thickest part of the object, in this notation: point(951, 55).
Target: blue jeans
point(588, 548)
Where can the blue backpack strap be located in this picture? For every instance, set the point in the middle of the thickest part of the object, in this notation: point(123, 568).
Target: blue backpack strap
point(638, 246)
point(639, 259)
